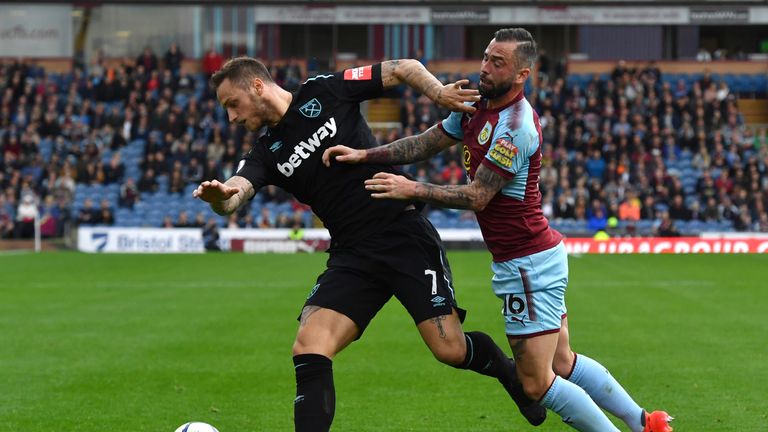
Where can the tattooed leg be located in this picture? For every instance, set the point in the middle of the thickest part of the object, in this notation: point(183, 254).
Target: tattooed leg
point(438, 321)
point(533, 357)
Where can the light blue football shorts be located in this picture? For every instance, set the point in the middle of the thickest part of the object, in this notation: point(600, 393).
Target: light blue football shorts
point(532, 289)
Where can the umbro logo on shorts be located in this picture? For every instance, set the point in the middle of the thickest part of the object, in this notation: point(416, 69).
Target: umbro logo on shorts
point(438, 301)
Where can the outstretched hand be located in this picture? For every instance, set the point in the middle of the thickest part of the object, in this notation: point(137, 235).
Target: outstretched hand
point(452, 97)
point(387, 185)
point(214, 191)
point(344, 154)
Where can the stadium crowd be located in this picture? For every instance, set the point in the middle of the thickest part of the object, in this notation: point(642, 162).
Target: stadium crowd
point(126, 143)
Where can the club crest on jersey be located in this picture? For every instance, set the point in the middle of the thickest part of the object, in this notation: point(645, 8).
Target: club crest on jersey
point(311, 109)
point(503, 152)
point(485, 133)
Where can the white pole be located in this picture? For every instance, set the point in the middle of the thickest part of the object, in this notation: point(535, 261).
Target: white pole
point(37, 231)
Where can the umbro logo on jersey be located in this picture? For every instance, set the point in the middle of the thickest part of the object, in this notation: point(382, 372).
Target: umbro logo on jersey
point(304, 149)
point(311, 109)
point(276, 146)
point(438, 301)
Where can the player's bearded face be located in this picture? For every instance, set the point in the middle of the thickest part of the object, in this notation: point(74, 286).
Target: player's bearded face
point(491, 89)
point(498, 70)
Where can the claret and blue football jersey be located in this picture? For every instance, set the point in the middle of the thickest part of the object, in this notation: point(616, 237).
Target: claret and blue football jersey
point(508, 141)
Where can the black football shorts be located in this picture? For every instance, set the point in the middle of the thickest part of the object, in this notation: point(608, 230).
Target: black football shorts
point(406, 259)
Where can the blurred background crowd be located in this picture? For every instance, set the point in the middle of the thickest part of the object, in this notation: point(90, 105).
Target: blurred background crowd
point(632, 152)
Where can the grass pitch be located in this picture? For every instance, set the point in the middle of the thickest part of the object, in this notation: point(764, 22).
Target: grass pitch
point(149, 342)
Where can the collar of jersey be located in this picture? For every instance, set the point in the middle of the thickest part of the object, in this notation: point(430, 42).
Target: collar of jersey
point(280, 125)
point(514, 100)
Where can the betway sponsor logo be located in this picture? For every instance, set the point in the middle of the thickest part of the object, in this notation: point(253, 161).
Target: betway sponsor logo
point(303, 150)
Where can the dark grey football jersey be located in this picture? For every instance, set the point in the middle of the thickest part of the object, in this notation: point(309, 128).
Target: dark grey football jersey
point(325, 111)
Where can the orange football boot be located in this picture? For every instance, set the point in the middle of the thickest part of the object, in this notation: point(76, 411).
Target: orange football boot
point(657, 421)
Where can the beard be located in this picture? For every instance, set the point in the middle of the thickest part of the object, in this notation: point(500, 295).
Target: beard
point(495, 90)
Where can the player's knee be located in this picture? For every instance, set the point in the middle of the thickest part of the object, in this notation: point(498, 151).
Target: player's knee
point(535, 387)
point(452, 354)
point(299, 348)
point(308, 345)
point(563, 363)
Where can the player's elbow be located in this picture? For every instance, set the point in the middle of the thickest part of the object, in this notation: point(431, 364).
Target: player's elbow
point(223, 208)
point(478, 203)
point(221, 212)
point(402, 66)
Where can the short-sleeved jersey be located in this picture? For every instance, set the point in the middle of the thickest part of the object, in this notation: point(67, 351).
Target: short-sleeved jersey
point(325, 111)
point(508, 141)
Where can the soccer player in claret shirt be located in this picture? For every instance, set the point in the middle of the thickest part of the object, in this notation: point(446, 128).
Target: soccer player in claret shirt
point(379, 248)
point(502, 154)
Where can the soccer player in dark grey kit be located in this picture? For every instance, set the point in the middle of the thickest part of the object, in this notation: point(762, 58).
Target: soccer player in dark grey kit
point(379, 248)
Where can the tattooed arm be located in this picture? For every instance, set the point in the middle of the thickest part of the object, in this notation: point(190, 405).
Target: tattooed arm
point(403, 151)
point(227, 197)
point(416, 76)
point(474, 196)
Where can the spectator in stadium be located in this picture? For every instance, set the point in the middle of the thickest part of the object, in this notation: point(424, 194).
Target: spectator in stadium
point(703, 55)
point(199, 221)
point(248, 221)
point(148, 183)
point(678, 210)
point(665, 226)
point(25, 216)
point(129, 194)
point(147, 61)
point(564, 208)
point(629, 210)
point(105, 215)
point(7, 213)
point(87, 214)
point(530, 262)
point(114, 172)
point(211, 236)
point(212, 62)
point(265, 219)
point(386, 238)
point(168, 222)
point(183, 220)
point(762, 224)
point(598, 221)
point(177, 182)
point(173, 58)
point(282, 221)
point(49, 219)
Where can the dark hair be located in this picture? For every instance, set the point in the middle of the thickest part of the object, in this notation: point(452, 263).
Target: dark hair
point(527, 52)
point(241, 71)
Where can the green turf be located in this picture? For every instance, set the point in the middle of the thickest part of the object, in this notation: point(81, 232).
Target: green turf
point(146, 343)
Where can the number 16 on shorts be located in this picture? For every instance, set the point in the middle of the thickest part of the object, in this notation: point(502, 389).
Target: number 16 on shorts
point(514, 304)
